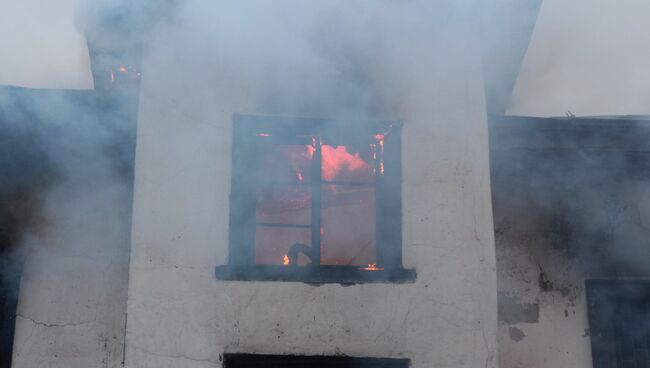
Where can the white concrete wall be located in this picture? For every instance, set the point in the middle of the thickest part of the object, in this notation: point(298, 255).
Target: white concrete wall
point(213, 61)
point(72, 302)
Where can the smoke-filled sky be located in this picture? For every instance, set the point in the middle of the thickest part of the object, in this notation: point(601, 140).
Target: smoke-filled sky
point(588, 57)
point(41, 45)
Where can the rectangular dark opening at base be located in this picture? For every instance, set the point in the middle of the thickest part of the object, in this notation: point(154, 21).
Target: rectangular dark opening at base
point(619, 323)
point(305, 361)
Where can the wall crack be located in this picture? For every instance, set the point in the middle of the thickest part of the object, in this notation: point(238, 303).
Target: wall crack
point(46, 324)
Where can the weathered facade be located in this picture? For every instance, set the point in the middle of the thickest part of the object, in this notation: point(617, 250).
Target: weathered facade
point(571, 202)
point(191, 287)
point(179, 314)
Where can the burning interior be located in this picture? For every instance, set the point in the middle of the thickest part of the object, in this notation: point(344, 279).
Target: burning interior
point(315, 200)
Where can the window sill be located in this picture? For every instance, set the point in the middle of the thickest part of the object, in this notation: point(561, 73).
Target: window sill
point(316, 275)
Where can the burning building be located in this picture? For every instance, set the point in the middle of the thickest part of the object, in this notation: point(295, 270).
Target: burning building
point(335, 198)
point(315, 185)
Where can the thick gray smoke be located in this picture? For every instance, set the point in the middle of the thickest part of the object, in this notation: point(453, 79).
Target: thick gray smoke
point(285, 58)
point(65, 193)
point(581, 186)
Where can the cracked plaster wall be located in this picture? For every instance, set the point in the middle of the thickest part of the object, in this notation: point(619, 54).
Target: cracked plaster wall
point(180, 315)
point(72, 302)
point(540, 328)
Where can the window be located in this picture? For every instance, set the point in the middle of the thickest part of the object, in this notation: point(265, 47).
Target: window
point(300, 361)
point(315, 200)
point(619, 323)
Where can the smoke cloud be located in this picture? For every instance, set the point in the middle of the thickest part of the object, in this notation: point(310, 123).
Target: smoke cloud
point(72, 152)
point(42, 46)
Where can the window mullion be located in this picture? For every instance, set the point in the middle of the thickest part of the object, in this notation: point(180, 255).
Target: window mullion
point(316, 201)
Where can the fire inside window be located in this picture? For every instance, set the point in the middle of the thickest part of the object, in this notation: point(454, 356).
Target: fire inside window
point(315, 200)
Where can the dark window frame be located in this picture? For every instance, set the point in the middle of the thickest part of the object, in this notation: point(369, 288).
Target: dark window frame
point(241, 257)
point(606, 301)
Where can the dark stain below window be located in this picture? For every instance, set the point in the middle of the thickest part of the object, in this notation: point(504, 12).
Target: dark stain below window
point(511, 311)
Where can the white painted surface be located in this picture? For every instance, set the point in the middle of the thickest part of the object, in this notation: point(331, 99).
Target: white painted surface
point(72, 302)
point(587, 56)
point(216, 60)
point(42, 46)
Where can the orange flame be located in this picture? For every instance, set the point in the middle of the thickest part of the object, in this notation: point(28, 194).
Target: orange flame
point(285, 260)
point(337, 162)
point(372, 267)
point(335, 159)
point(310, 151)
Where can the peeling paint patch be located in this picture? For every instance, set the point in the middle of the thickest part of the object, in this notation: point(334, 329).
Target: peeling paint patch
point(511, 311)
point(516, 334)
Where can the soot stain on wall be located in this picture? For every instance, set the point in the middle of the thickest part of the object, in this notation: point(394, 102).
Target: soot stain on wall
point(516, 334)
point(513, 311)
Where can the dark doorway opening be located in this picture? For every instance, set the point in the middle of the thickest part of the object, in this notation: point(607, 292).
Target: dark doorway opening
point(8, 302)
point(619, 320)
point(303, 361)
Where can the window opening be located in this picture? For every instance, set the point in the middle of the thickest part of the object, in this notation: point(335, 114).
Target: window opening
point(315, 200)
point(316, 204)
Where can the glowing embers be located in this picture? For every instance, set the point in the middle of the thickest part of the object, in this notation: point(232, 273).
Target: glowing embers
point(372, 267)
point(272, 244)
point(283, 206)
point(124, 73)
point(341, 165)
